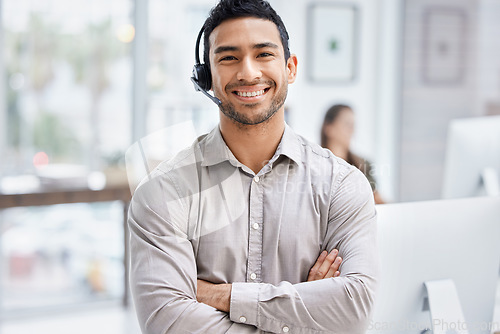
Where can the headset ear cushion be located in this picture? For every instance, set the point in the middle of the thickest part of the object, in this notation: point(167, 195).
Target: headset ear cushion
point(201, 73)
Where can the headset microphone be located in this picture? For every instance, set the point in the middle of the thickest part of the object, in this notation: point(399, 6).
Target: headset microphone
point(200, 89)
point(202, 79)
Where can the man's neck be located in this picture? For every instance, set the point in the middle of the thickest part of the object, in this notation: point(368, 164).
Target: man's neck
point(253, 145)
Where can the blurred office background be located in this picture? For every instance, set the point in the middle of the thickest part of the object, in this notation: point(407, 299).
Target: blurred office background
point(83, 80)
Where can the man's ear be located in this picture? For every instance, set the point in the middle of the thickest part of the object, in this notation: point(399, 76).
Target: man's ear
point(291, 65)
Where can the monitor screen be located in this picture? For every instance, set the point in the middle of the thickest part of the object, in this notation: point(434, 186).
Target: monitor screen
point(472, 163)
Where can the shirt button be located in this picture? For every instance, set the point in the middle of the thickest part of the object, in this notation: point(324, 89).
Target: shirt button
point(256, 178)
point(255, 226)
point(253, 276)
point(286, 329)
point(243, 319)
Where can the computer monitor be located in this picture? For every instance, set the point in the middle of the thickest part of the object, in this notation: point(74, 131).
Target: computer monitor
point(438, 241)
point(472, 165)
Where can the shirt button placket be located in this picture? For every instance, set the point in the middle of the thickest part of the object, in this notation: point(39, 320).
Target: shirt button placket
point(255, 232)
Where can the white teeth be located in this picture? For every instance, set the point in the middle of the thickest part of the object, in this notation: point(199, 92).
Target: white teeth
point(250, 94)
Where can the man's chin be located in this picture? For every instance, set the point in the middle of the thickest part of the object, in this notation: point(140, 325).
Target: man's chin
point(241, 119)
point(250, 105)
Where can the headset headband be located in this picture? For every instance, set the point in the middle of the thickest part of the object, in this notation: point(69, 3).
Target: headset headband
point(197, 48)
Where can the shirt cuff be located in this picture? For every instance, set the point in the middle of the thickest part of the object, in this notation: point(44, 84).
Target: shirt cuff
point(244, 303)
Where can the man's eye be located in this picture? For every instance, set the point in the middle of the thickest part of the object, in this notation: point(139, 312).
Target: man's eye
point(226, 58)
point(265, 54)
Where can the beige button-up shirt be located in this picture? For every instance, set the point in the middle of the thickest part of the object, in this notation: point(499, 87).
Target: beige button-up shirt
point(205, 215)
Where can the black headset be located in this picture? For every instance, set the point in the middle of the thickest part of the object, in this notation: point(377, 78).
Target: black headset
point(202, 78)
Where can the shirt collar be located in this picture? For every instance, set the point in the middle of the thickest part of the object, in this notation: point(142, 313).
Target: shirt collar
point(290, 145)
point(215, 150)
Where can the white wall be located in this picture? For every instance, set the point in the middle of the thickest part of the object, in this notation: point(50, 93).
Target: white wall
point(373, 94)
point(388, 90)
point(428, 106)
point(308, 101)
point(402, 121)
point(488, 74)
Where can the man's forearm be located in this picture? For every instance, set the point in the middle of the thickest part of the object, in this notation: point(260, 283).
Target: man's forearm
point(336, 304)
point(215, 295)
point(219, 295)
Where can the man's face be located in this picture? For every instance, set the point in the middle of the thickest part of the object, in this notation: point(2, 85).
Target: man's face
point(249, 72)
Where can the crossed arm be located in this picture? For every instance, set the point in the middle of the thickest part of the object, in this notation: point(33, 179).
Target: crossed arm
point(167, 294)
point(219, 295)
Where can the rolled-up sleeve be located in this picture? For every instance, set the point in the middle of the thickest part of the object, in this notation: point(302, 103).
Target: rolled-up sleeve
point(163, 273)
point(334, 305)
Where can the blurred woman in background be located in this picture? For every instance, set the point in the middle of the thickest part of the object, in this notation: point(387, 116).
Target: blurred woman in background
point(336, 134)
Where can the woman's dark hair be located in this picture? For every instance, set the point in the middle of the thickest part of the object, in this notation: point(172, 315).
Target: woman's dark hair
point(363, 165)
point(228, 9)
point(330, 117)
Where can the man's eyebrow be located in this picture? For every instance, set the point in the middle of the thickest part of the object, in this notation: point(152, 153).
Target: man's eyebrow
point(221, 49)
point(227, 48)
point(265, 45)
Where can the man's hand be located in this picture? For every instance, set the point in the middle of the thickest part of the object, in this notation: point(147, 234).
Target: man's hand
point(215, 295)
point(326, 266)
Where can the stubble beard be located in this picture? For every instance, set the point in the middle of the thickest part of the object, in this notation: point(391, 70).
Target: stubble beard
point(238, 118)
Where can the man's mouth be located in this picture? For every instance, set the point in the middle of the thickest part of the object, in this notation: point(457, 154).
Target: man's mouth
point(251, 94)
point(255, 93)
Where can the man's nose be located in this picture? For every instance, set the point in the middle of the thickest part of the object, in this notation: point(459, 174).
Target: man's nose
point(249, 70)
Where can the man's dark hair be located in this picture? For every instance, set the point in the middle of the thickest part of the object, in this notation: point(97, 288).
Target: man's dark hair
point(228, 9)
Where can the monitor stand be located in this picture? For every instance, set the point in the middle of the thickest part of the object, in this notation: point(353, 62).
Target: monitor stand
point(445, 309)
point(490, 184)
point(490, 181)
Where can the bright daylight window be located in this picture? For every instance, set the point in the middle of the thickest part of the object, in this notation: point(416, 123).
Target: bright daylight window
point(68, 74)
point(171, 96)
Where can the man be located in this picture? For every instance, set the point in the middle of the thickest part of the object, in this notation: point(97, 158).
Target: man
point(239, 232)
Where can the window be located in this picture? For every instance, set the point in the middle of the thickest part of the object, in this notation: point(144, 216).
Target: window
point(61, 255)
point(67, 69)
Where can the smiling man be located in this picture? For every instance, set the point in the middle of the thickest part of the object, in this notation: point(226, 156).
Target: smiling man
point(252, 229)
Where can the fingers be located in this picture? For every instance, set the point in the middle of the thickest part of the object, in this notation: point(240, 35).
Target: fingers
point(324, 269)
point(326, 266)
point(314, 269)
point(333, 271)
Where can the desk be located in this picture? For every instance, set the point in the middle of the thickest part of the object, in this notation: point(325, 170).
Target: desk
point(51, 196)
